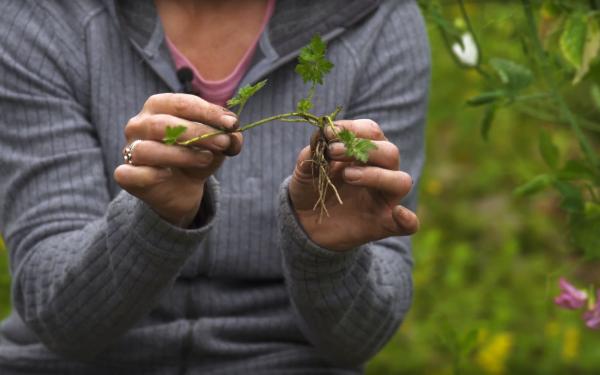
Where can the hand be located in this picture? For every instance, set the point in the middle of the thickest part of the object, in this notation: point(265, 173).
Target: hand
point(170, 178)
point(370, 193)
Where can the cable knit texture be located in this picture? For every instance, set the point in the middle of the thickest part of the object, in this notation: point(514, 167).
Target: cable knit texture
point(103, 285)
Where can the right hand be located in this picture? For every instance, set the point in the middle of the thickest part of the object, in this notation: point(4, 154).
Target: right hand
point(170, 178)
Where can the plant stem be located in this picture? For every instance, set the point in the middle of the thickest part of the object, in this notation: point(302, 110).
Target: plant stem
point(584, 143)
point(463, 11)
point(542, 95)
point(287, 117)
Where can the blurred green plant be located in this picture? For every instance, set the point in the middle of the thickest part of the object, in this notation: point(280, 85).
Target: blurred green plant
point(560, 43)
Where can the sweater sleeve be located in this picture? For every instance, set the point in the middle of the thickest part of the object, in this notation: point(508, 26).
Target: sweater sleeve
point(85, 267)
point(350, 304)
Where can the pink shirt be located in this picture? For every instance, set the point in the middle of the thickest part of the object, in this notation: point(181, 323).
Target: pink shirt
point(218, 92)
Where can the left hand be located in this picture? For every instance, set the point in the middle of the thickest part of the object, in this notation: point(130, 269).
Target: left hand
point(371, 196)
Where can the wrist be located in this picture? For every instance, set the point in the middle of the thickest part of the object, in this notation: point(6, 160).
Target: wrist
point(186, 217)
point(324, 233)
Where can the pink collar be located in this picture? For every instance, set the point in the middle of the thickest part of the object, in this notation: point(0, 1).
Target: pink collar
point(220, 91)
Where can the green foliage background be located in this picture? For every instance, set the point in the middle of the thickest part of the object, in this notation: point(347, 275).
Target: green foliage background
point(486, 262)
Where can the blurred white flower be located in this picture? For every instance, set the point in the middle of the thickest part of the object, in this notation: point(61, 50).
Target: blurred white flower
point(466, 51)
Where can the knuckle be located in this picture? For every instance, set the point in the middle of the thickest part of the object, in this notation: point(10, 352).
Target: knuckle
point(153, 100)
point(181, 103)
point(212, 111)
point(136, 128)
point(371, 127)
point(376, 175)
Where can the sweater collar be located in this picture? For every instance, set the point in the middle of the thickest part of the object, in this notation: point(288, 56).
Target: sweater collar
point(292, 26)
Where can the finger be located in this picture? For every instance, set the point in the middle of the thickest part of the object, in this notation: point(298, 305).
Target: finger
point(191, 107)
point(406, 220)
point(137, 178)
point(153, 127)
point(400, 222)
point(386, 155)
point(363, 128)
point(304, 166)
point(393, 182)
point(157, 154)
point(235, 146)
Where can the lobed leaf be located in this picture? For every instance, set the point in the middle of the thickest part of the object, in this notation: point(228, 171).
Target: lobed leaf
point(173, 133)
point(312, 63)
point(304, 105)
point(356, 147)
point(244, 94)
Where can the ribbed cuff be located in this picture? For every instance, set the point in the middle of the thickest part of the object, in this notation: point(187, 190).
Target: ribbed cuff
point(164, 239)
point(302, 255)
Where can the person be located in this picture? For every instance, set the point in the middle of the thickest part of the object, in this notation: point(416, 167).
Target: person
point(206, 259)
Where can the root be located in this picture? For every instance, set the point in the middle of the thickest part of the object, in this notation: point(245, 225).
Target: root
point(322, 180)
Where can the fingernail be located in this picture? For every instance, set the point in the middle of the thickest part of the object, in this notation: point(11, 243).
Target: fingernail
point(229, 122)
point(337, 149)
point(222, 141)
point(353, 174)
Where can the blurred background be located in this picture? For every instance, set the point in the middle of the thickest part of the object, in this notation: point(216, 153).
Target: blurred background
point(487, 261)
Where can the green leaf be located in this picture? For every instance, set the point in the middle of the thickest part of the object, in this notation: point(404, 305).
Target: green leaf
point(585, 233)
point(536, 184)
point(595, 92)
point(244, 94)
point(312, 63)
point(576, 170)
point(356, 147)
point(172, 133)
point(304, 105)
point(486, 122)
point(514, 76)
point(469, 341)
point(549, 151)
point(572, 199)
point(572, 40)
point(485, 98)
point(590, 49)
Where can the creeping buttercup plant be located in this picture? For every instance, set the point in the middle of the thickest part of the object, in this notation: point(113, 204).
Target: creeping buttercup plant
point(313, 66)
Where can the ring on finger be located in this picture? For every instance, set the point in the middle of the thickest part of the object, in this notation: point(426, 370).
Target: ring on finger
point(128, 151)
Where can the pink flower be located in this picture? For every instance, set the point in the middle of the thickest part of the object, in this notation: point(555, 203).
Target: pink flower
point(572, 298)
point(592, 317)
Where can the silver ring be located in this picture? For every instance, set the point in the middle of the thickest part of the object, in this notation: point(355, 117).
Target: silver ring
point(128, 151)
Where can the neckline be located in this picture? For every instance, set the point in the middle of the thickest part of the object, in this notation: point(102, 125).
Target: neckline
point(241, 65)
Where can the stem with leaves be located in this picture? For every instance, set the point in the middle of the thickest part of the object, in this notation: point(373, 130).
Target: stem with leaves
point(312, 66)
point(586, 147)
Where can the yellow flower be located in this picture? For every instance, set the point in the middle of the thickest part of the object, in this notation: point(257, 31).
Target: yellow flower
point(492, 357)
point(433, 187)
point(552, 329)
point(571, 341)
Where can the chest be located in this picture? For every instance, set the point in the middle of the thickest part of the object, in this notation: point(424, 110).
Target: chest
point(214, 36)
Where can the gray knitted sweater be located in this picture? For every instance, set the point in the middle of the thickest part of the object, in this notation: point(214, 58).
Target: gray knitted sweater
point(102, 285)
